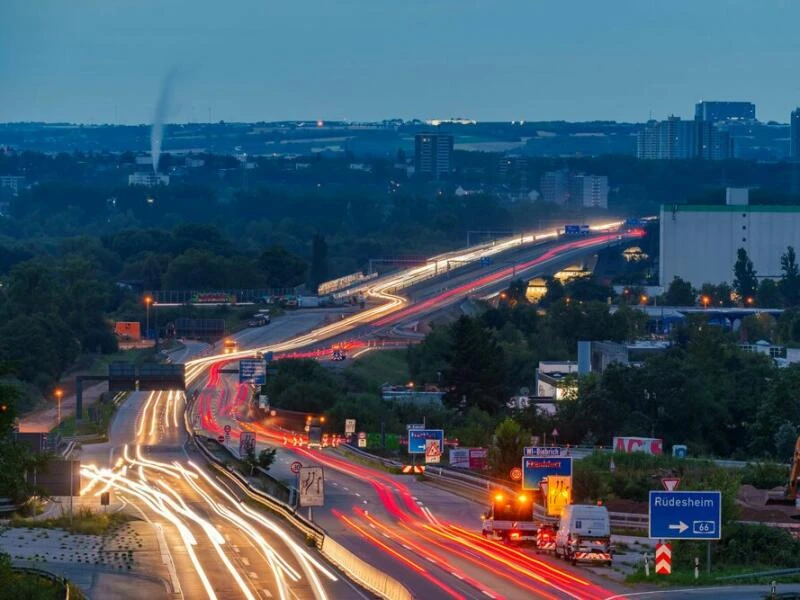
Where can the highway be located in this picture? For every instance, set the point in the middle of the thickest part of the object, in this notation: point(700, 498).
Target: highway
point(423, 536)
point(214, 545)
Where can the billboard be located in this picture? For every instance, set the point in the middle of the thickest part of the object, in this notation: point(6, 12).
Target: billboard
point(628, 445)
point(459, 457)
point(478, 458)
point(417, 438)
point(252, 370)
point(213, 298)
point(131, 330)
point(535, 469)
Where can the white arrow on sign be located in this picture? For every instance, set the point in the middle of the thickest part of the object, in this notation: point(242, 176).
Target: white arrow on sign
point(681, 526)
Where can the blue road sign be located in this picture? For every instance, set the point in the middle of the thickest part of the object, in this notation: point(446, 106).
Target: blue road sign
point(685, 515)
point(417, 437)
point(268, 356)
point(572, 229)
point(252, 370)
point(544, 451)
point(535, 468)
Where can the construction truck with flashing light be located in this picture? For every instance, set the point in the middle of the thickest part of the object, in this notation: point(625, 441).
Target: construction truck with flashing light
point(510, 519)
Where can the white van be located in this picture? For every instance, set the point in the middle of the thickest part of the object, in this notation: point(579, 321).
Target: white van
point(584, 534)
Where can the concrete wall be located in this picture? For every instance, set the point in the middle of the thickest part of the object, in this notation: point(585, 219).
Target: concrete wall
point(699, 243)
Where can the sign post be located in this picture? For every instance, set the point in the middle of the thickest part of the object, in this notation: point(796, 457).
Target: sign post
point(663, 558)
point(685, 515)
point(227, 434)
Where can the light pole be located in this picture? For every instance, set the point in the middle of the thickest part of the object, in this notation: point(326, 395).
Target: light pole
point(59, 393)
point(148, 300)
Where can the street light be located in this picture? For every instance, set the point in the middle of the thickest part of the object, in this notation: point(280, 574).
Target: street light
point(148, 300)
point(643, 299)
point(706, 301)
point(59, 393)
point(750, 300)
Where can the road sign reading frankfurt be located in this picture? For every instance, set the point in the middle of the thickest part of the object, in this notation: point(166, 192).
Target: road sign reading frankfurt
point(535, 468)
point(417, 437)
point(252, 370)
point(685, 515)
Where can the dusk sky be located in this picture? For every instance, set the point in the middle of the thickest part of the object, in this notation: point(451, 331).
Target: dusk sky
point(103, 61)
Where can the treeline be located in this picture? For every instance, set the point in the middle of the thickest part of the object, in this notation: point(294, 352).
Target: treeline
point(58, 300)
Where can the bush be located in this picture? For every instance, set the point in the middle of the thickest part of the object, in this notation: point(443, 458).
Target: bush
point(744, 545)
point(765, 476)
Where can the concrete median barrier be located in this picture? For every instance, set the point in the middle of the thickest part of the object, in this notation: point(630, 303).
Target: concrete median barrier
point(364, 573)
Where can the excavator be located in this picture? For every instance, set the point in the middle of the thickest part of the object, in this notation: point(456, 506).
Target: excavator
point(790, 496)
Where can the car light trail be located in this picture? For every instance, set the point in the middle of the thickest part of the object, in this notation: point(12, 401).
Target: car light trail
point(408, 562)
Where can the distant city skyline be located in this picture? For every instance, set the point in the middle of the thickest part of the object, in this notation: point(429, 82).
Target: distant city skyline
point(629, 60)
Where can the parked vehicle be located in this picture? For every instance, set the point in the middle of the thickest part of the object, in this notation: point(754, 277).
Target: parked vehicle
point(584, 534)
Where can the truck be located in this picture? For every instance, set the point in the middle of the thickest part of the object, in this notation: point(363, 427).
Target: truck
point(510, 519)
point(259, 320)
point(584, 534)
point(229, 346)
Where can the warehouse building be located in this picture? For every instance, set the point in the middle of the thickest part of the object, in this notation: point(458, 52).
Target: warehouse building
point(699, 243)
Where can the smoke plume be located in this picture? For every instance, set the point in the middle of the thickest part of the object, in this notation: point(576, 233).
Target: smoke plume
point(162, 111)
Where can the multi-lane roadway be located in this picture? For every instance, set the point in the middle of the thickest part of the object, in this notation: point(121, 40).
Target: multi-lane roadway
point(424, 537)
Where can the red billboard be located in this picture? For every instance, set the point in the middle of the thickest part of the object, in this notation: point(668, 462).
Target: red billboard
point(629, 444)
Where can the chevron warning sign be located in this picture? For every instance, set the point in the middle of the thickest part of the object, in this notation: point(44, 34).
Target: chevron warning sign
point(663, 559)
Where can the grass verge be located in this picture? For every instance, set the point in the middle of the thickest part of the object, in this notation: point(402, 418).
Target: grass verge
point(685, 577)
point(83, 522)
point(104, 412)
point(376, 368)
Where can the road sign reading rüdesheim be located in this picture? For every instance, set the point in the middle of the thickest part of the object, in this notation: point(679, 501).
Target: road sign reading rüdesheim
point(685, 515)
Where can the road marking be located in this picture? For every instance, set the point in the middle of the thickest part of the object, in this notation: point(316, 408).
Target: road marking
point(253, 575)
point(357, 494)
point(266, 593)
point(245, 562)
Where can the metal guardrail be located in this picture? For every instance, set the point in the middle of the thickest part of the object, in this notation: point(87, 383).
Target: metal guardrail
point(63, 581)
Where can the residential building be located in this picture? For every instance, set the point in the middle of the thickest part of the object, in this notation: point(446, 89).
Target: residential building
point(713, 142)
point(666, 140)
point(699, 243)
point(14, 183)
point(433, 155)
point(794, 135)
point(716, 112)
point(148, 179)
point(555, 186)
point(588, 190)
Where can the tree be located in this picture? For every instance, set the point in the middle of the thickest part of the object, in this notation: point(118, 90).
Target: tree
point(769, 294)
point(516, 292)
point(507, 446)
point(281, 268)
point(790, 279)
point(745, 282)
point(679, 293)
point(319, 261)
point(555, 292)
point(266, 457)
